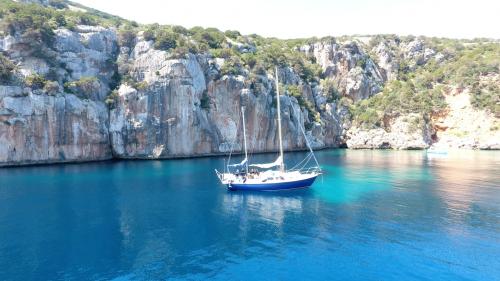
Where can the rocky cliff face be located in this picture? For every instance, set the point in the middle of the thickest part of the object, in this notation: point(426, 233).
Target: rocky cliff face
point(168, 105)
point(166, 117)
point(464, 126)
point(405, 132)
point(37, 128)
point(353, 71)
point(42, 124)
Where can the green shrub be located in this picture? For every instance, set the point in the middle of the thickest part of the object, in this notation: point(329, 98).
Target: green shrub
point(35, 81)
point(126, 37)
point(141, 86)
point(112, 99)
point(58, 4)
point(180, 52)
point(210, 36)
point(19, 17)
point(233, 34)
point(180, 30)
point(365, 115)
point(225, 53)
point(6, 69)
point(296, 92)
point(83, 87)
point(398, 97)
point(165, 40)
point(345, 102)
point(149, 34)
point(487, 97)
point(86, 19)
point(250, 60)
point(330, 90)
point(232, 66)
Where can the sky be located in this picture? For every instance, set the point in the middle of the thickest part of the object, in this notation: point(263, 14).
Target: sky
point(308, 18)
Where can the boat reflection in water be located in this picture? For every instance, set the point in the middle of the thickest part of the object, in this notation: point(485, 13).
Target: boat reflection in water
point(270, 207)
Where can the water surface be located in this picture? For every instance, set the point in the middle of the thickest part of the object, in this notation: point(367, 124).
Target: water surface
point(374, 215)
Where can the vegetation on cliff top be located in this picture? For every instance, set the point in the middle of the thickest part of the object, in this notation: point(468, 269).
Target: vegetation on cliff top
point(468, 65)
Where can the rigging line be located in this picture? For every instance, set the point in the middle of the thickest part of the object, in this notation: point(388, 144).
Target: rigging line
point(307, 162)
point(233, 142)
point(300, 163)
point(309, 146)
point(303, 163)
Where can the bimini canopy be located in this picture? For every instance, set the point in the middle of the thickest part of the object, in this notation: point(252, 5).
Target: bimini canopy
point(239, 165)
point(278, 162)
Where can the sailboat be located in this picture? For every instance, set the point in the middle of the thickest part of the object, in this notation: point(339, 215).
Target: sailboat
point(270, 176)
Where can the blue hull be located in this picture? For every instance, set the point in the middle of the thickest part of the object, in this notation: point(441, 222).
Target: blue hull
point(273, 186)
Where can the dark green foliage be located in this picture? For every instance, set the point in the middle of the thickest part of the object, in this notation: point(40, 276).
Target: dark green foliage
point(115, 79)
point(35, 81)
point(368, 117)
point(272, 52)
point(300, 64)
point(180, 30)
point(487, 97)
point(421, 90)
point(205, 101)
point(330, 90)
point(165, 40)
point(467, 68)
point(233, 34)
point(35, 23)
point(19, 17)
point(398, 98)
point(250, 60)
point(296, 92)
point(29, 21)
point(6, 69)
point(225, 53)
point(210, 36)
point(149, 34)
point(126, 37)
point(58, 4)
point(232, 66)
point(112, 99)
point(83, 88)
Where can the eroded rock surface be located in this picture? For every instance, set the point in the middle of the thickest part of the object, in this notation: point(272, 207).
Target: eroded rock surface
point(167, 118)
point(36, 129)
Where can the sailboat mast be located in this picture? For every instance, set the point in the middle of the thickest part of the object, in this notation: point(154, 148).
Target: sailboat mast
point(282, 167)
point(244, 138)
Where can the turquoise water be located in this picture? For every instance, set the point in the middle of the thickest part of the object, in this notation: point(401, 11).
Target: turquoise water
point(374, 215)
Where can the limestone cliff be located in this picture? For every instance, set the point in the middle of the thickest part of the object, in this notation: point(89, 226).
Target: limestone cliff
point(166, 117)
point(76, 88)
point(44, 122)
point(38, 128)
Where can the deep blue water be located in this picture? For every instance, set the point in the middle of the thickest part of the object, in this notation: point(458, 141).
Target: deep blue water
point(374, 215)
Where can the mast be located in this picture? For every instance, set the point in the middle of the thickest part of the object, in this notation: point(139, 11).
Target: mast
point(244, 138)
point(282, 166)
